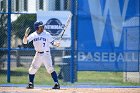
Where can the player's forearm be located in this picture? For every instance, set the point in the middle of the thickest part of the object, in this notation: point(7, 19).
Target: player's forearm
point(25, 40)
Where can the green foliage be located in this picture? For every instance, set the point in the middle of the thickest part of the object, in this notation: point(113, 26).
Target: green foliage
point(3, 34)
point(23, 21)
point(3, 29)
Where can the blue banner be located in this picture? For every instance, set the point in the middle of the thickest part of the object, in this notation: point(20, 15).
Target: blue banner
point(108, 35)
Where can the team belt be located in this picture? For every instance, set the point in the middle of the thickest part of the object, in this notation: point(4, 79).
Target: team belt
point(42, 52)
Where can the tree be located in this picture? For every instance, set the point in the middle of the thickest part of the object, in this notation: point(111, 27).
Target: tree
point(23, 21)
point(3, 30)
point(3, 36)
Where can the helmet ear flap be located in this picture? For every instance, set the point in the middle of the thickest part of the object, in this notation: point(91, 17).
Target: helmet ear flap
point(36, 24)
point(36, 28)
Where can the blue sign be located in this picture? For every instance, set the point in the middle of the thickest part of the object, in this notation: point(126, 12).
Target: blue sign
point(102, 37)
point(54, 26)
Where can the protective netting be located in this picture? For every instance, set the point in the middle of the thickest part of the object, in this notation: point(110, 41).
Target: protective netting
point(106, 43)
point(23, 15)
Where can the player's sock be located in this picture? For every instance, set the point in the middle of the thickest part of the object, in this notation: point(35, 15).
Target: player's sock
point(31, 78)
point(54, 76)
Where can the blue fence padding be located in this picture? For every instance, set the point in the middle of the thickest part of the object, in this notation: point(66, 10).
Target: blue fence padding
point(101, 32)
point(109, 66)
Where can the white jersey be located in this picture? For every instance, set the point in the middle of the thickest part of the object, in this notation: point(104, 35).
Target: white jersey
point(41, 41)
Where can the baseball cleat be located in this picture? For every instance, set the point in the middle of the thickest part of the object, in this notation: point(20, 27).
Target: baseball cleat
point(30, 85)
point(56, 86)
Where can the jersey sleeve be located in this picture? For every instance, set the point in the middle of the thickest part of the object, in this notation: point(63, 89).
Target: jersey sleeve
point(30, 38)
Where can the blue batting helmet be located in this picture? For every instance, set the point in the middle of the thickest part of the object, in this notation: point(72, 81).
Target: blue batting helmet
point(38, 24)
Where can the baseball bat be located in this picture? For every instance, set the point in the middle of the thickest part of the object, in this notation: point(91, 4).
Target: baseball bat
point(67, 24)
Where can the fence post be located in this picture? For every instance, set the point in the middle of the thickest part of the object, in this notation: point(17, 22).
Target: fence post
point(139, 56)
point(72, 73)
point(9, 40)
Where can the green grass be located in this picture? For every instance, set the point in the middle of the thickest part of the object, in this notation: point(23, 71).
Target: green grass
point(20, 76)
point(99, 77)
point(103, 78)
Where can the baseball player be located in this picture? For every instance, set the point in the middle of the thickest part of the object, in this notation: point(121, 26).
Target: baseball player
point(41, 41)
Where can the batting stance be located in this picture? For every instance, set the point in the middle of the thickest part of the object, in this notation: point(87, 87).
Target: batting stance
point(41, 41)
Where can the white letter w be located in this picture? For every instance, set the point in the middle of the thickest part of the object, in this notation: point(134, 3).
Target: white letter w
point(99, 19)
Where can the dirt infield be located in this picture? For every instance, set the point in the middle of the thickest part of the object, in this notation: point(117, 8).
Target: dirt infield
point(69, 90)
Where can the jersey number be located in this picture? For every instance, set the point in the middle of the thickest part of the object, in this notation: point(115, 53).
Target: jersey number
point(43, 44)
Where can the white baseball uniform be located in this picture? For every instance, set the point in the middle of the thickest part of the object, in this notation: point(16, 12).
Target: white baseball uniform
point(41, 44)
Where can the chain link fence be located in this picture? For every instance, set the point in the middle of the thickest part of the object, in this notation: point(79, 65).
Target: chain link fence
point(3, 41)
point(23, 15)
